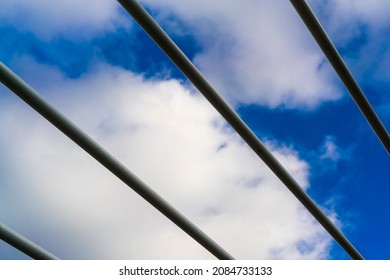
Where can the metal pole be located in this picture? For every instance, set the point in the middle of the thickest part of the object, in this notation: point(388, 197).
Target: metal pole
point(330, 51)
point(38, 103)
point(147, 22)
point(24, 245)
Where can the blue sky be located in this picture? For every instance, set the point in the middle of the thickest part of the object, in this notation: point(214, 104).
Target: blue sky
point(106, 75)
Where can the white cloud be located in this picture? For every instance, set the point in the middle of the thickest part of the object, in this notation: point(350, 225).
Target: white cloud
point(74, 18)
point(254, 51)
point(174, 141)
point(339, 12)
point(360, 30)
point(332, 153)
point(330, 150)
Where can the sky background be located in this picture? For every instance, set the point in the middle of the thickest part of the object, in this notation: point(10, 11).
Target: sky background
point(101, 70)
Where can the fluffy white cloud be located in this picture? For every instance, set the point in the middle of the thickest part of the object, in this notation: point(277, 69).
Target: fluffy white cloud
point(339, 13)
point(74, 18)
point(254, 51)
point(170, 137)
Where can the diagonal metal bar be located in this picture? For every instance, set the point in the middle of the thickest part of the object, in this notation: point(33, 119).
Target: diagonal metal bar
point(147, 22)
point(24, 245)
point(330, 51)
point(38, 103)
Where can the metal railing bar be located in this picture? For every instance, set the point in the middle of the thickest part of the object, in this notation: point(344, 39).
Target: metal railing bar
point(330, 51)
point(146, 21)
point(24, 245)
point(39, 104)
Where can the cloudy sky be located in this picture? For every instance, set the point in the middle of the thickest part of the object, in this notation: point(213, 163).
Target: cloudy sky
point(95, 64)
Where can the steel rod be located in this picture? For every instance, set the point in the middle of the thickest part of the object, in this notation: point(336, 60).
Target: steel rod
point(38, 103)
point(335, 59)
point(24, 245)
point(146, 21)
